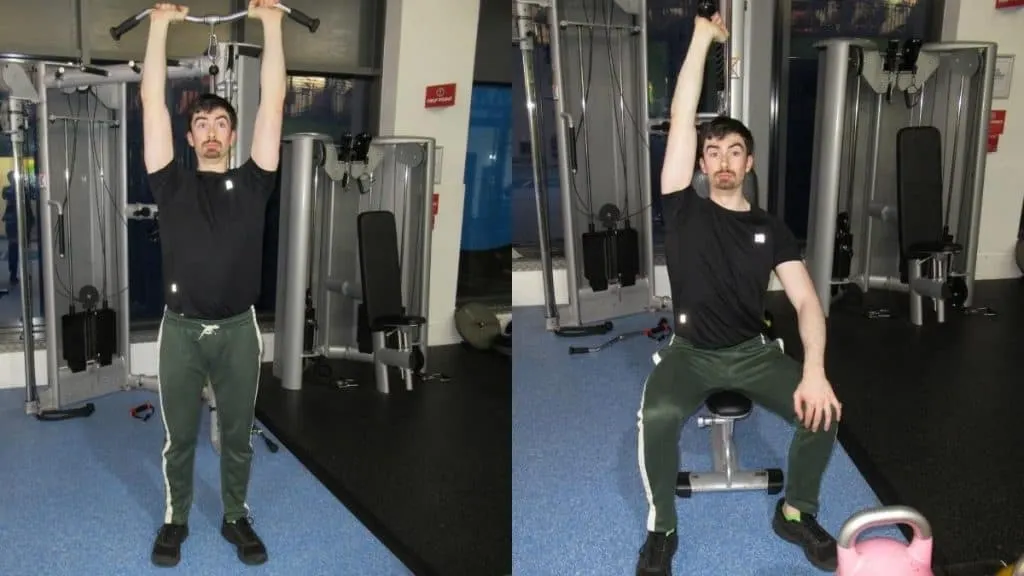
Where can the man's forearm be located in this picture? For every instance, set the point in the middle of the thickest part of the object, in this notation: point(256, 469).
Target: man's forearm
point(154, 67)
point(811, 323)
point(691, 77)
point(273, 74)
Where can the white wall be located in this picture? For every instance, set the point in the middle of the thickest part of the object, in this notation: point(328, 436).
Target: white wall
point(1004, 195)
point(427, 43)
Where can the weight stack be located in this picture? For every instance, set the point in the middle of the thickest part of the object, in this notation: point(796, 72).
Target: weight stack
point(595, 260)
point(74, 340)
point(627, 254)
point(611, 254)
point(89, 335)
point(104, 335)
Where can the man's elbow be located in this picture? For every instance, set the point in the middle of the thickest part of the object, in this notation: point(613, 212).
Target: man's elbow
point(807, 304)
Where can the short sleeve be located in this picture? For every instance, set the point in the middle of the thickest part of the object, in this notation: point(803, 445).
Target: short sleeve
point(165, 182)
point(787, 248)
point(261, 182)
point(674, 206)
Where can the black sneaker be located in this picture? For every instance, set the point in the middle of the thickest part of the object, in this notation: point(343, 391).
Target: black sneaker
point(251, 550)
point(656, 554)
point(819, 546)
point(167, 547)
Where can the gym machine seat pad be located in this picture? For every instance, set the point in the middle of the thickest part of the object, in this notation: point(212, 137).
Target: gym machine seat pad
point(728, 404)
point(926, 249)
point(391, 322)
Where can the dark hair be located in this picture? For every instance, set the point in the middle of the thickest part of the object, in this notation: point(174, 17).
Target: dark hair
point(207, 103)
point(721, 127)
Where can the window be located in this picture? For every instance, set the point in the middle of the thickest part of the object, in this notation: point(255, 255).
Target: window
point(485, 263)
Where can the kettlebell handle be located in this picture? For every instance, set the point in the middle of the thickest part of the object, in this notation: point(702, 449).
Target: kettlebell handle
point(883, 516)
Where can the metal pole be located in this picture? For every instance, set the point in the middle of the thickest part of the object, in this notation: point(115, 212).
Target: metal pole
point(640, 45)
point(430, 145)
point(17, 122)
point(872, 185)
point(568, 198)
point(737, 49)
point(124, 299)
point(725, 101)
point(527, 36)
point(297, 194)
point(978, 180)
point(46, 233)
point(826, 168)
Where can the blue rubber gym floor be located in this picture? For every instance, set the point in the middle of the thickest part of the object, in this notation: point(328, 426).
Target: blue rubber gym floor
point(84, 497)
point(578, 501)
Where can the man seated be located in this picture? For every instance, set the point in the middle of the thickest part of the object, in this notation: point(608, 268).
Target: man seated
point(720, 253)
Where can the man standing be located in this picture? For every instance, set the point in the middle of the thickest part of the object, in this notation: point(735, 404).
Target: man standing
point(211, 231)
point(720, 253)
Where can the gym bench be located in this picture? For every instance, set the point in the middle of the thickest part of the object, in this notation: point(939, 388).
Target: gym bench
point(926, 252)
point(395, 336)
point(726, 407)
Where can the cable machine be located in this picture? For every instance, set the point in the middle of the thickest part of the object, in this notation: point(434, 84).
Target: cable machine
point(598, 56)
point(84, 227)
point(870, 101)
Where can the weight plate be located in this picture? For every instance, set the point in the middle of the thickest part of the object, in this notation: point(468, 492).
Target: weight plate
point(477, 325)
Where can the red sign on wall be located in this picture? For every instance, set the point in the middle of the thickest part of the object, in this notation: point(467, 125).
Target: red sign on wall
point(997, 123)
point(993, 143)
point(435, 202)
point(440, 96)
point(1009, 3)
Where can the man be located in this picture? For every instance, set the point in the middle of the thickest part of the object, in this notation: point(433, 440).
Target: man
point(211, 230)
point(720, 253)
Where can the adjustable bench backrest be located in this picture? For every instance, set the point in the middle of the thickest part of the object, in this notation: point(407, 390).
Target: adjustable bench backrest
point(379, 265)
point(919, 189)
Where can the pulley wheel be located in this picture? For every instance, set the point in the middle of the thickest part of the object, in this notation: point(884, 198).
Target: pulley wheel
point(88, 297)
point(477, 325)
point(609, 215)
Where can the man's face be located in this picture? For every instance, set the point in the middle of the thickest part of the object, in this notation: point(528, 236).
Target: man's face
point(211, 134)
point(726, 162)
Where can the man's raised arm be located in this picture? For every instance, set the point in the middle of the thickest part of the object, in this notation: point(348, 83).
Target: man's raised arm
point(158, 145)
point(266, 137)
point(681, 147)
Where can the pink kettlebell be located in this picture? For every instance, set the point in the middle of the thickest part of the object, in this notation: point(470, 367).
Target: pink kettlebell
point(884, 556)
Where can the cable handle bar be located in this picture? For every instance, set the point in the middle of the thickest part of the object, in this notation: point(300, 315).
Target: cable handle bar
point(297, 15)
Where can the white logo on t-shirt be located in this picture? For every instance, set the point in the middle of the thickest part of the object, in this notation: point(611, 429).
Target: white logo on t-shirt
point(759, 238)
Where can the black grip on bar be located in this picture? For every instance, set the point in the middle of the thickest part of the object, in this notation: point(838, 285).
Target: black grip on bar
point(707, 8)
point(302, 18)
point(61, 247)
point(578, 350)
point(124, 27)
point(95, 70)
point(573, 160)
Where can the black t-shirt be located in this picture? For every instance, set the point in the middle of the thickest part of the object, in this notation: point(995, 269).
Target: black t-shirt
point(719, 266)
point(211, 237)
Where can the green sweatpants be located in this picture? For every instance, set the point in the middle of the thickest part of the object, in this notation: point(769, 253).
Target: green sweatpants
point(227, 354)
point(683, 378)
